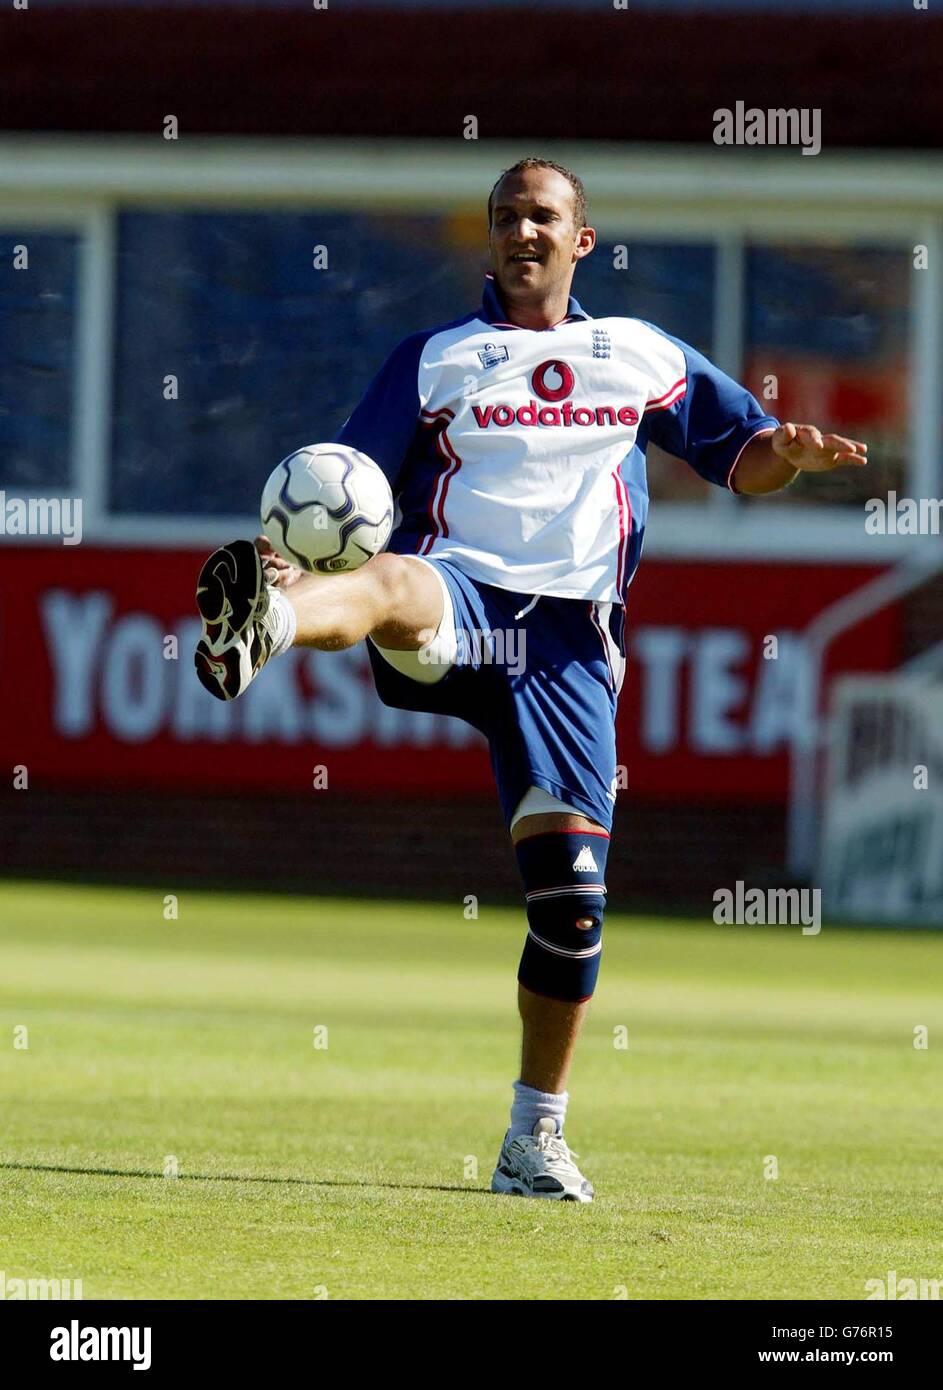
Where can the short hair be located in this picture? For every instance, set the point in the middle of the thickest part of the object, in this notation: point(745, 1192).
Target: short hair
point(533, 162)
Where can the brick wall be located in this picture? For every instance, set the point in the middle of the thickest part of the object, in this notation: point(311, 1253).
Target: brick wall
point(662, 856)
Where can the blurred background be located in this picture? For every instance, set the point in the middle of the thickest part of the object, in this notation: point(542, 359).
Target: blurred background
point(258, 200)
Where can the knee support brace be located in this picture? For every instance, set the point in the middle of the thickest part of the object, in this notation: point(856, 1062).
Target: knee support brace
point(564, 884)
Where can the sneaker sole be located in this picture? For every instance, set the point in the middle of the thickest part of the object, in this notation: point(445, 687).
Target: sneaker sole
point(228, 588)
point(227, 595)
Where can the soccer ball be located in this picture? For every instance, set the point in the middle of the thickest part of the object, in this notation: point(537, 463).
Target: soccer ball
point(327, 507)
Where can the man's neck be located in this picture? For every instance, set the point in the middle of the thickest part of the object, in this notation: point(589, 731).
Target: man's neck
point(538, 316)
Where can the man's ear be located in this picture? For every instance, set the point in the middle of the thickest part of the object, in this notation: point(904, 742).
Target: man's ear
point(585, 243)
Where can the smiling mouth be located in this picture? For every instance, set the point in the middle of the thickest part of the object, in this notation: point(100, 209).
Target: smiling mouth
point(525, 258)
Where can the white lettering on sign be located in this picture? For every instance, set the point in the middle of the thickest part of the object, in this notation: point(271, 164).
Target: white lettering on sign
point(661, 651)
point(133, 678)
point(337, 718)
point(718, 693)
point(704, 689)
point(109, 672)
point(275, 713)
point(74, 627)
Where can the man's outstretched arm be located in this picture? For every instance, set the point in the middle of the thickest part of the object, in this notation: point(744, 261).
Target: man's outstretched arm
point(770, 462)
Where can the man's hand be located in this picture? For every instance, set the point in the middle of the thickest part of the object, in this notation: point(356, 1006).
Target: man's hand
point(807, 449)
point(772, 461)
point(277, 570)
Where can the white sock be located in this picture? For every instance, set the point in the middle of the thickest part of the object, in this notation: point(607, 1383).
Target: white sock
point(530, 1106)
point(283, 622)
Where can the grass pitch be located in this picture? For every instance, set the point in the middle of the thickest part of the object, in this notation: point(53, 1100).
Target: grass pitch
point(361, 1169)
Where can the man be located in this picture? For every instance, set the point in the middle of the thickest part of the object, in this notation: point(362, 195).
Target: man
point(514, 440)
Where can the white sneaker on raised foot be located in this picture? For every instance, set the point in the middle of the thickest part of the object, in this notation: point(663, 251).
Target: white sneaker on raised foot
point(540, 1165)
point(238, 627)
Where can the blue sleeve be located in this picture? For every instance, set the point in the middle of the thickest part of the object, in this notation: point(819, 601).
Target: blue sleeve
point(711, 422)
point(382, 425)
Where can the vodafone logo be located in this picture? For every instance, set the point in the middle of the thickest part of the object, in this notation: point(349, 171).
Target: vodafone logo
point(553, 380)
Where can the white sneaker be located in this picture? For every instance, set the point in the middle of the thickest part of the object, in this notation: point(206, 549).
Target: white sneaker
point(540, 1165)
point(233, 599)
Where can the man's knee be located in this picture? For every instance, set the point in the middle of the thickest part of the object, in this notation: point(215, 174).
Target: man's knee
point(407, 599)
point(564, 881)
point(388, 574)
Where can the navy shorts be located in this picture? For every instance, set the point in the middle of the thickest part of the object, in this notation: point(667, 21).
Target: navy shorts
point(541, 685)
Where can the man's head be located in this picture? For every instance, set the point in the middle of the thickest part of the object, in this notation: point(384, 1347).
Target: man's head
point(537, 230)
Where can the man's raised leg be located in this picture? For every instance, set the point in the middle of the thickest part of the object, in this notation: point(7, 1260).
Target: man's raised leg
point(392, 598)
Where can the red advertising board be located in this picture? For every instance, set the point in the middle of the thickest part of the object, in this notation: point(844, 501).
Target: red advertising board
point(98, 685)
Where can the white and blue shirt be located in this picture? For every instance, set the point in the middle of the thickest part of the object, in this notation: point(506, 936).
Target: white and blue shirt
point(519, 455)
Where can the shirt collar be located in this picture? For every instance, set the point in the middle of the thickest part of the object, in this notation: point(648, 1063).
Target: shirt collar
point(493, 313)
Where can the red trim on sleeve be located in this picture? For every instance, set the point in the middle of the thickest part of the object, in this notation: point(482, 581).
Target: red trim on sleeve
point(673, 394)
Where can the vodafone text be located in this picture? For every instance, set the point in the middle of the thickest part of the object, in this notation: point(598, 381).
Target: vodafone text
point(552, 416)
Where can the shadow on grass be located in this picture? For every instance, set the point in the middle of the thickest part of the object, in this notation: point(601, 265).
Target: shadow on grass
point(237, 1177)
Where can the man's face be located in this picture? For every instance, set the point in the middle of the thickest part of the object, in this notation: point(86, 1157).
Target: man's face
point(534, 241)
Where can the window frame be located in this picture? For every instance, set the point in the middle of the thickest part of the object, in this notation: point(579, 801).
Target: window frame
point(91, 225)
